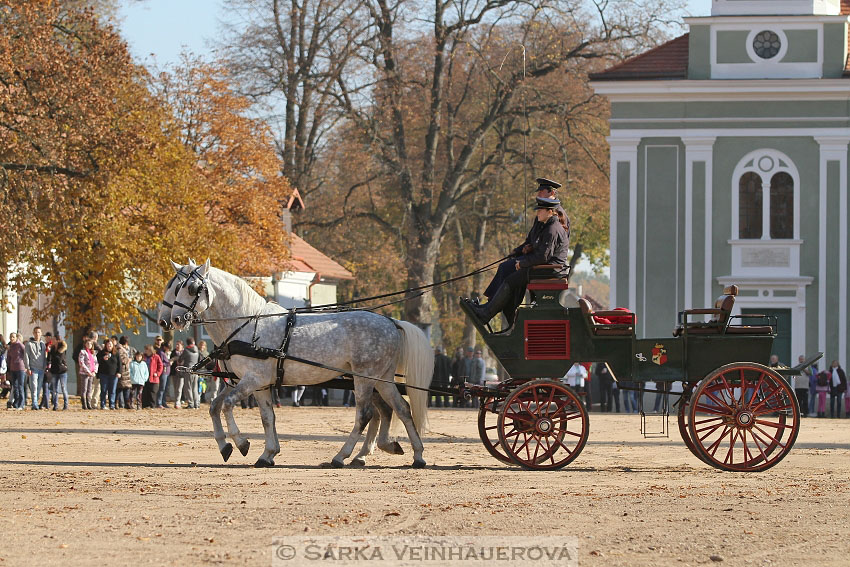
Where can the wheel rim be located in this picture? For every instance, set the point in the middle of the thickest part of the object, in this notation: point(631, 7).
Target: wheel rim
point(488, 417)
point(684, 407)
point(743, 417)
point(542, 425)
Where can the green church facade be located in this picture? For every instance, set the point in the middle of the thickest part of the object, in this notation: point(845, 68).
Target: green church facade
point(729, 150)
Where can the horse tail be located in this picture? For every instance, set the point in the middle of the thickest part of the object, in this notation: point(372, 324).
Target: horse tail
point(417, 364)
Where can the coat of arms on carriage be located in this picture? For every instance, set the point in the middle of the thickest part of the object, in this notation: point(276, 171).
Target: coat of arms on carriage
point(659, 354)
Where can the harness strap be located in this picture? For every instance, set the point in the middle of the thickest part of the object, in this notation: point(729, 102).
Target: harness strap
point(284, 347)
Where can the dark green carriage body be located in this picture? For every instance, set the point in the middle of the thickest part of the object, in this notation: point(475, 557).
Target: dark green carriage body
point(547, 338)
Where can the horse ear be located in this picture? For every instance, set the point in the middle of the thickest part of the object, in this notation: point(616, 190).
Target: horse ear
point(205, 269)
point(175, 265)
point(192, 262)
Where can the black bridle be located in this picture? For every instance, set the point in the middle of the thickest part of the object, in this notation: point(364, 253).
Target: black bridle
point(194, 290)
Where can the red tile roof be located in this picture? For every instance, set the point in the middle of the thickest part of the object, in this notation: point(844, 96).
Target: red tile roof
point(305, 258)
point(667, 61)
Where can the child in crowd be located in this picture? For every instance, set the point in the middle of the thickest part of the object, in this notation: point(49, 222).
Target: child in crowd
point(138, 377)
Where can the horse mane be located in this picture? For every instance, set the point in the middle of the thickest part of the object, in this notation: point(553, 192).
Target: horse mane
point(250, 300)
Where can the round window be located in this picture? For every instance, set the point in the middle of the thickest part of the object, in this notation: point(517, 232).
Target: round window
point(766, 44)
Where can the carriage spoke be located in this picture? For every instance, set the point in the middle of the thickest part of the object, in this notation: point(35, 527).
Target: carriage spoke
point(769, 436)
point(729, 453)
point(711, 429)
point(773, 410)
point(718, 401)
point(708, 409)
point(765, 400)
point(716, 445)
point(756, 389)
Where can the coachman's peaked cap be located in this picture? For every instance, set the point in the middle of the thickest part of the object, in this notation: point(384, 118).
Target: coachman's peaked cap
point(544, 203)
point(543, 183)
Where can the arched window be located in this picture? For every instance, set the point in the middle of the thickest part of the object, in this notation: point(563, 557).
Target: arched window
point(765, 197)
point(781, 206)
point(750, 206)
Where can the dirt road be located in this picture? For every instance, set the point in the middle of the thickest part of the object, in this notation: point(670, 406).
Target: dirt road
point(121, 487)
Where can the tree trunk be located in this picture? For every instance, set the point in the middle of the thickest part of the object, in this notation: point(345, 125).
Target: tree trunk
point(421, 258)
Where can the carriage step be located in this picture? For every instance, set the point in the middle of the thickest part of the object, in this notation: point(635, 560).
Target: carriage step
point(650, 427)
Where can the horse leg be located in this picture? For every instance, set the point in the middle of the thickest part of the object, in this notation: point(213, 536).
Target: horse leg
point(363, 415)
point(218, 431)
point(243, 389)
point(385, 442)
point(369, 444)
point(390, 394)
point(264, 399)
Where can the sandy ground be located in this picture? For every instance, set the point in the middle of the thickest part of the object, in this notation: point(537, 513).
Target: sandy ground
point(120, 487)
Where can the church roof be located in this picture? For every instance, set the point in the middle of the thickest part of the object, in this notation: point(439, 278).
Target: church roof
point(670, 60)
point(305, 258)
point(667, 61)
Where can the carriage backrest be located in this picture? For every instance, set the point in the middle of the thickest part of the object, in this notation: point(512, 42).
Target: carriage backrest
point(724, 303)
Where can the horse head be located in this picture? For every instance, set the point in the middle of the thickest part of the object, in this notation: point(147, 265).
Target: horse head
point(193, 296)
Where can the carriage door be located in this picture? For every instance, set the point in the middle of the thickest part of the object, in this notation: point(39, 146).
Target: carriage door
point(782, 343)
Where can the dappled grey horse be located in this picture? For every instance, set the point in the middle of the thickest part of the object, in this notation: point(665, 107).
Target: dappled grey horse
point(358, 341)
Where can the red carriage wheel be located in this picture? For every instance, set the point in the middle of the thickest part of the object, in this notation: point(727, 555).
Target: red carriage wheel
point(543, 425)
point(684, 407)
point(488, 416)
point(743, 417)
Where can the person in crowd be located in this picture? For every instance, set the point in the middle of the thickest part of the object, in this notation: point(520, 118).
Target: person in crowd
point(87, 364)
point(662, 396)
point(822, 389)
point(47, 389)
point(178, 379)
point(440, 381)
point(297, 394)
point(575, 377)
point(36, 361)
point(188, 359)
point(477, 371)
point(58, 370)
point(837, 387)
point(138, 377)
point(548, 246)
point(16, 368)
point(606, 383)
point(801, 388)
point(5, 384)
point(457, 361)
point(107, 373)
point(124, 388)
point(164, 353)
point(151, 389)
point(464, 369)
point(812, 372)
point(615, 395)
point(94, 401)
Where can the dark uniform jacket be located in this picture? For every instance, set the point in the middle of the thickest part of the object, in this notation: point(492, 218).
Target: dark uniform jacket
point(536, 227)
point(550, 246)
point(442, 369)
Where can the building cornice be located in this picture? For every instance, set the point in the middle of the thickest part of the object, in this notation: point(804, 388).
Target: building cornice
point(765, 19)
point(724, 89)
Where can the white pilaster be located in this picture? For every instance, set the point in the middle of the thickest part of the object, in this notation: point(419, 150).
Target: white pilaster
point(833, 148)
point(697, 150)
point(624, 150)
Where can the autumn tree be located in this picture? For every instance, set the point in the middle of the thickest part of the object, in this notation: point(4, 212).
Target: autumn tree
point(434, 93)
point(103, 180)
point(287, 55)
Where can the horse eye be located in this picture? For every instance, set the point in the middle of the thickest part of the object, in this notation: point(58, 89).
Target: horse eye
point(193, 288)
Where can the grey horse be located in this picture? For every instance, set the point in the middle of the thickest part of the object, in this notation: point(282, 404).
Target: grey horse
point(358, 341)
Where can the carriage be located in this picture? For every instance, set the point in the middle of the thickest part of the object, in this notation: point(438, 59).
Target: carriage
point(734, 413)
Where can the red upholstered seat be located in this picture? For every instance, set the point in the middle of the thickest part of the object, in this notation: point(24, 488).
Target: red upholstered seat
point(617, 322)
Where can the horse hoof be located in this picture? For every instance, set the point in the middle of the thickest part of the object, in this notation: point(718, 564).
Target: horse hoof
point(337, 464)
point(396, 448)
point(243, 448)
point(418, 464)
point(358, 462)
point(227, 451)
point(263, 464)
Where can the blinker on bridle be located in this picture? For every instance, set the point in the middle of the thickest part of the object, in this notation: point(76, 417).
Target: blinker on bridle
point(195, 289)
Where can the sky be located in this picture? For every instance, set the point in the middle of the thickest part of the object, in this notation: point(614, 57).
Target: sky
point(163, 28)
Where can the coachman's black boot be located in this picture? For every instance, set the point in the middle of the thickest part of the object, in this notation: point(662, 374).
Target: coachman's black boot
point(500, 302)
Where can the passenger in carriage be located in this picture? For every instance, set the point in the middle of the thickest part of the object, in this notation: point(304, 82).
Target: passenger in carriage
point(546, 244)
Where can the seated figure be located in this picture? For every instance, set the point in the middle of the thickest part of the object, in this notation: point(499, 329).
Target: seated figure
point(547, 244)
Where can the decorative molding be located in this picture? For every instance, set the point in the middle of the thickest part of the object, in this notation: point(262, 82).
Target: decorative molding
point(732, 90)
